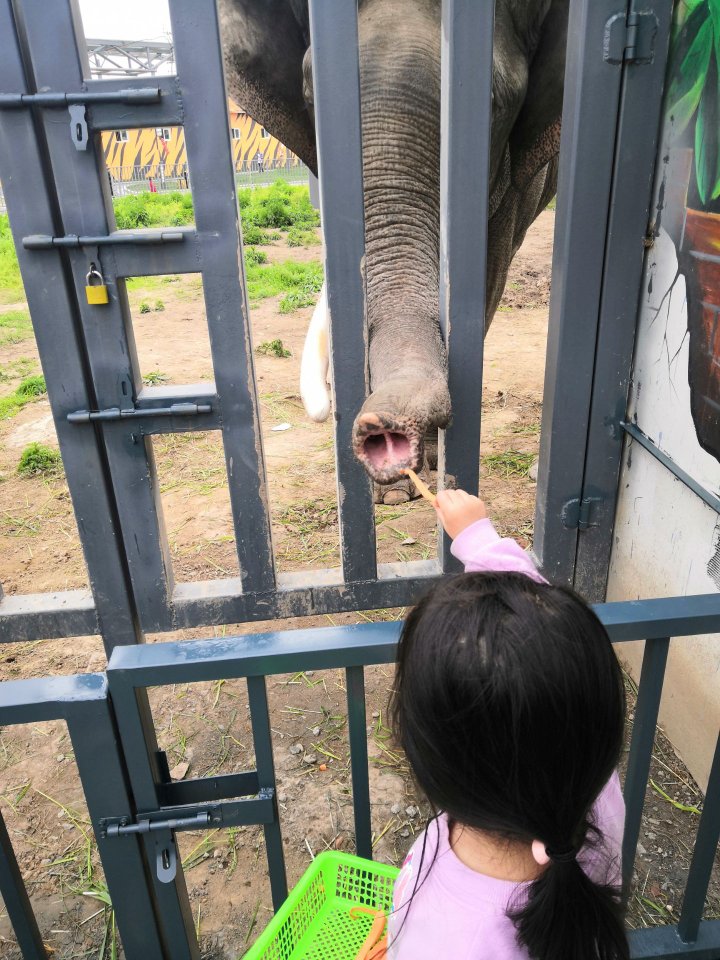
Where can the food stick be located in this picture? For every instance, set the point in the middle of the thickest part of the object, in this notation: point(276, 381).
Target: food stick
point(421, 487)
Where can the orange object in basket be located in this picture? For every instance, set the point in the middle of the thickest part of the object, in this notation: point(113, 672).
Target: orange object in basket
point(375, 944)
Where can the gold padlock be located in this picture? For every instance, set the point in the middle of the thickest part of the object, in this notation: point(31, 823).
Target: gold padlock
point(96, 289)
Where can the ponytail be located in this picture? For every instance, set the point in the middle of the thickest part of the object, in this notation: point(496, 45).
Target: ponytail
point(570, 917)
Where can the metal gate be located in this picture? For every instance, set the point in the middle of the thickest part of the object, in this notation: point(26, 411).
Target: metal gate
point(57, 196)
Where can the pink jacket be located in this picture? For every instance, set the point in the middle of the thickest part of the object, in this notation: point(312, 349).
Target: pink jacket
point(456, 912)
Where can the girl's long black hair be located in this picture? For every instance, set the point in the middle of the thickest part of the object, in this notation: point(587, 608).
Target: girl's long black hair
point(509, 703)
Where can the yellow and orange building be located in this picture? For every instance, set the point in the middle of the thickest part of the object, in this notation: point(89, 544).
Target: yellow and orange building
point(133, 154)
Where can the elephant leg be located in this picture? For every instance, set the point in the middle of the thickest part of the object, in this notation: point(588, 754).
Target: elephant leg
point(315, 363)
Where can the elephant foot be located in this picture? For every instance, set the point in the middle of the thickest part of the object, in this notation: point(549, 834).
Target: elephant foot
point(394, 494)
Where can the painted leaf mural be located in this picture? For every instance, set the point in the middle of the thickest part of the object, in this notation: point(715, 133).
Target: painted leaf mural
point(693, 123)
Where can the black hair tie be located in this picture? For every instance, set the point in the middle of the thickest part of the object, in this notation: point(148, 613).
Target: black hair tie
point(562, 856)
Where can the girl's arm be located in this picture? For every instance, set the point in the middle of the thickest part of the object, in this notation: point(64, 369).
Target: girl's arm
point(475, 541)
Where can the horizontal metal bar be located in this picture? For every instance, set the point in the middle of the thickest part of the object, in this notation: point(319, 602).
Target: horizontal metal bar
point(122, 828)
point(230, 813)
point(41, 241)
point(710, 498)
point(208, 789)
point(664, 943)
point(664, 617)
point(49, 698)
point(10, 101)
point(135, 413)
point(167, 112)
point(157, 259)
point(35, 616)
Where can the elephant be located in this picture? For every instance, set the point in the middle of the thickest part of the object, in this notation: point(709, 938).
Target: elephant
point(266, 50)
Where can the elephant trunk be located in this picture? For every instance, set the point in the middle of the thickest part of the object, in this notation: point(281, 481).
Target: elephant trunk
point(400, 83)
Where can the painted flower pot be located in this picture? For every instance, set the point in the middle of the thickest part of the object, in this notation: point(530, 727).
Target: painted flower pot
point(701, 255)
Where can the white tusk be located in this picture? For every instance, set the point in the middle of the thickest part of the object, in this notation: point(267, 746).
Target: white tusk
point(315, 360)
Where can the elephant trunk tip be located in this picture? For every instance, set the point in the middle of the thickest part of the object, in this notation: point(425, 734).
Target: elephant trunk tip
point(386, 446)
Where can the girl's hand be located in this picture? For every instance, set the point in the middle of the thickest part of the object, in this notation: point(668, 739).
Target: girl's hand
point(457, 510)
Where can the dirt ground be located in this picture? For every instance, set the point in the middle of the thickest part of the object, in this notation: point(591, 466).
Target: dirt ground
point(204, 727)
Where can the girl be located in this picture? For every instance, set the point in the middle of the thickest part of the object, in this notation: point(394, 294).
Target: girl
point(509, 704)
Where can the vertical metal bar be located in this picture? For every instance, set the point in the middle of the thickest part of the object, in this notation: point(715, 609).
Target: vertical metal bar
point(706, 845)
point(17, 902)
point(637, 141)
point(58, 52)
point(265, 766)
point(357, 729)
point(589, 121)
point(465, 125)
point(102, 773)
point(199, 59)
point(652, 675)
point(32, 208)
point(141, 752)
point(336, 87)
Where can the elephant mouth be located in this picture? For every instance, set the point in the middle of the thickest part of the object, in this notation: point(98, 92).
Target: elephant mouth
point(385, 446)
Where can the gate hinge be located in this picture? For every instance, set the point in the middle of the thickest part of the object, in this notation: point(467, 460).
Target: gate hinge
point(630, 38)
point(576, 513)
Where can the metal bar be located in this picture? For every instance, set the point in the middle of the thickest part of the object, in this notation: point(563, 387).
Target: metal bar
point(336, 88)
point(637, 138)
point(650, 687)
point(17, 903)
point(208, 789)
point(31, 207)
point(262, 741)
point(167, 112)
point(102, 771)
point(58, 55)
point(232, 813)
point(32, 616)
point(690, 482)
point(9, 101)
point(140, 749)
point(587, 154)
point(135, 413)
point(465, 125)
point(706, 845)
point(155, 260)
point(40, 241)
point(357, 729)
point(199, 61)
point(663, 943)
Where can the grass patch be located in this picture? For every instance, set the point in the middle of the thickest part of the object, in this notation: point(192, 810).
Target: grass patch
point(11, 286)
point(39, 460)
point(273, 348)
point(296, 237)
point(512, 463)
point(308, 517)
point(28, 389)
point(288, 278)
point(15, 326)
point(21, 367)
point(255, 257)
point(154, 377)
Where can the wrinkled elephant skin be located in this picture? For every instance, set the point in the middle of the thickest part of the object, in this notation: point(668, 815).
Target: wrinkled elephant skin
point(266, 44)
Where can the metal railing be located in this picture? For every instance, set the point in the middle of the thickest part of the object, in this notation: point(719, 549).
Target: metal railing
point(136, 809)
point(176, 176)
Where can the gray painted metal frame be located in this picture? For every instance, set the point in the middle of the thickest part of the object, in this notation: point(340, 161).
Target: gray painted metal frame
point(611, 120)
point(111, 731)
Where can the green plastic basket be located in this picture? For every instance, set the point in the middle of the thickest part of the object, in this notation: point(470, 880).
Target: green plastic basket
point(314, 922)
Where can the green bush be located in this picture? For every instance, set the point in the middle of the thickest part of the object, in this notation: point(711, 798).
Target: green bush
point(11, 287)
point(159, 306)
point(32, 387)
point(253, 235)
point(145, 307)
point(273, 348)
point(131, 212)
point(253, 256)
point(298, 237)
point(37, 459)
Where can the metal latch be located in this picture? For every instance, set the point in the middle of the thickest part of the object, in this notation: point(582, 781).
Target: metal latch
point(630, 38)
point(41, 241)
point(76, 103)
point(576, 513)
point(136, 413)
